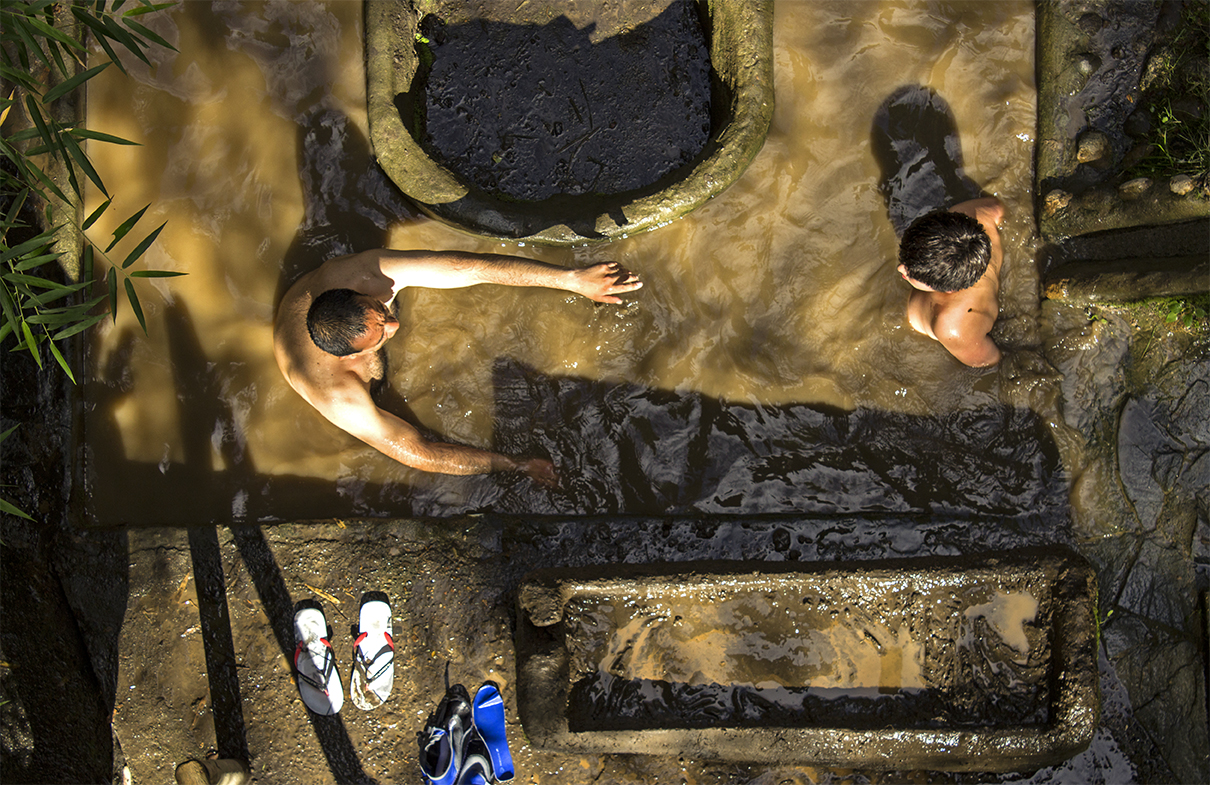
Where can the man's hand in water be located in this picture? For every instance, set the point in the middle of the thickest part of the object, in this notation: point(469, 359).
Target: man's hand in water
point(603, 282)
point(539, 470)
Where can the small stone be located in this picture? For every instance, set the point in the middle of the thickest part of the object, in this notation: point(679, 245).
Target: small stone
point(1133, 189)
point(1181, 184)
point(1055, 201)
point(1087, 64)
point(1093, 146)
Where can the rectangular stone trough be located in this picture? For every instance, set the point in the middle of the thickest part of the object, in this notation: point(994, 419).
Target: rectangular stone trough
point(956, 663)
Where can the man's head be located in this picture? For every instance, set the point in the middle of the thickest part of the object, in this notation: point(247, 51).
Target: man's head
point(945, 251)
point(344, 322)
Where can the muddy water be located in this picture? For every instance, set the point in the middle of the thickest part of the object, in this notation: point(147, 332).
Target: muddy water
point(770, 321)
point(846, 652)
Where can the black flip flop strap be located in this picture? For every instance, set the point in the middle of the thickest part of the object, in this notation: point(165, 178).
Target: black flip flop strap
point(366, 663)
point(324, 673)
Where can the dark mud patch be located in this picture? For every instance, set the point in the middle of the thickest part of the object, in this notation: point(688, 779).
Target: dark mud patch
point(529, 112)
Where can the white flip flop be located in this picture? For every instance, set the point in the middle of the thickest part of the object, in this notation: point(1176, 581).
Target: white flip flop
point(373, 656)
point(315, 663)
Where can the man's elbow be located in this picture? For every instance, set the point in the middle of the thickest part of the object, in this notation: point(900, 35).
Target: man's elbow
point(979, 357)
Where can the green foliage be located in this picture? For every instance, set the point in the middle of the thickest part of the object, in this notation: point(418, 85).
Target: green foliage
point(41, 64)
point(1187, 312)
point(1178, 79)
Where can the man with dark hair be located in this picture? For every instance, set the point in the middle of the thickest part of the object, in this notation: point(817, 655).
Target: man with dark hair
point(333, 322)
point(952, 259)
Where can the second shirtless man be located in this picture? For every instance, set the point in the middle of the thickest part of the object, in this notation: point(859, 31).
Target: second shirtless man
point(333, 322)
point(952, 259)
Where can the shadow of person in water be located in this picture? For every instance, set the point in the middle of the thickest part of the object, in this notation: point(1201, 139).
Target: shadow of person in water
point(349, 203)
point(915, 141)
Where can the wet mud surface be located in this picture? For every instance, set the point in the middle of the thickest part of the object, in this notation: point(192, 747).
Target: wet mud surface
point(562, 114)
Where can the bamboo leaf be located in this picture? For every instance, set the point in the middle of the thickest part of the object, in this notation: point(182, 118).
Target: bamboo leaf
point(99, 33)
point(33, 280)
point(134, 304)
point(62, 363)
point(125, 227)
point(20, 76)
point(155, 274)
point(30, 262)
point(112, 280)
point(30, 44)
point(52, 32)
point(79, 327)
point(93, 216)
point(85, 133)
point(5, 507)
point(31, 344)
point(29, 245)
point(115, 31)
point(49, 297)
point(143, 246)
point(150, 35)
point(146, 8)
point(67, 86)
point(73, 147)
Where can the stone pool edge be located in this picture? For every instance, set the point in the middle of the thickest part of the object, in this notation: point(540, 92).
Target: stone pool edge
point(543, 688)
point(741, 53)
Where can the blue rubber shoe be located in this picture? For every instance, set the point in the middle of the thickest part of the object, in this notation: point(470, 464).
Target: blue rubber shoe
point(476, 765)
point(442, 745)
point(488, 717)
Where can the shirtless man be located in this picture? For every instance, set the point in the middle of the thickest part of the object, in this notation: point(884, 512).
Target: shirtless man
point(343, 307)
point(952, 261)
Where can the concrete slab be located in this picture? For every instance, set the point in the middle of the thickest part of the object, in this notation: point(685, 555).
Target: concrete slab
point(969, 664)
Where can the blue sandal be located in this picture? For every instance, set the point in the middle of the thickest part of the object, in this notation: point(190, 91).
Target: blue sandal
point(488, 716)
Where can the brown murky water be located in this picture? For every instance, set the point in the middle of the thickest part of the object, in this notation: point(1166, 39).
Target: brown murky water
point(781, 291)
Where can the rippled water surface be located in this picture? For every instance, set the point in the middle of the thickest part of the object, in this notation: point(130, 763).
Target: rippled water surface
point(764, 366)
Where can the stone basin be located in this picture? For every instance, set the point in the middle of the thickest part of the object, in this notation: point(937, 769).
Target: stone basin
point(738, 34)
point(981, 663)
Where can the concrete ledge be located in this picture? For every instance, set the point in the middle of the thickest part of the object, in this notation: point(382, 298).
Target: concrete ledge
point(968, 664)
point(741, 33)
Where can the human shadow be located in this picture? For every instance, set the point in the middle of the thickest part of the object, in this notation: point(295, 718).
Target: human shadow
point(236, 492)
point(914, 138)
point(629, 449)
point(349, 203)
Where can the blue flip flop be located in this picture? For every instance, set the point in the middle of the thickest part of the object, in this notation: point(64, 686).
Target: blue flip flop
point(488, 715)
point(442, 745)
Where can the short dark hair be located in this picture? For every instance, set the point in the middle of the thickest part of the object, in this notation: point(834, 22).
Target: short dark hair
point(946, 251)
point(336, 318)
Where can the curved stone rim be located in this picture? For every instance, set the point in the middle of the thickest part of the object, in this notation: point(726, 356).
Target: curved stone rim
point(741, 50)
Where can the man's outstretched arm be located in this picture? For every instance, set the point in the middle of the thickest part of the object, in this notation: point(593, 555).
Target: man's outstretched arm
point(401, 441)
point(456, 269)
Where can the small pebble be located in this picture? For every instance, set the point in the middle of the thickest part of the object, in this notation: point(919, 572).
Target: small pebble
point(1181, 184)
point(1093, 146)
point(1056, 200)
point(1133, 189)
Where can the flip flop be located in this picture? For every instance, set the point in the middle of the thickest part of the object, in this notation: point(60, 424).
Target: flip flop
point(442, 744)
point(373, 654)
point(315, 663)
point(487, 712)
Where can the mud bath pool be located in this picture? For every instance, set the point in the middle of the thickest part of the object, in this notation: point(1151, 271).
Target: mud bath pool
point(776, 305)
